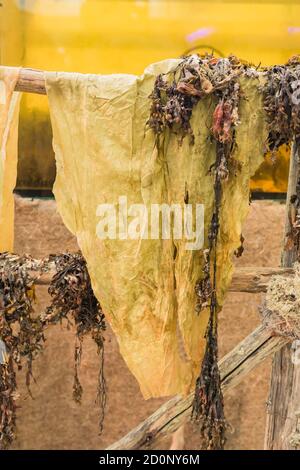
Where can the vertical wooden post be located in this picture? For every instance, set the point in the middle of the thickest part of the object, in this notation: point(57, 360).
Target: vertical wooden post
point(283, 412)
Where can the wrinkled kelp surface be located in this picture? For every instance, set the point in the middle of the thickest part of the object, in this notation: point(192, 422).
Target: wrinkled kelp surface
point(147, 289)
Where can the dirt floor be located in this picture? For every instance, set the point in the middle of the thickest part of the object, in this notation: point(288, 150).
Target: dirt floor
point(53, 421)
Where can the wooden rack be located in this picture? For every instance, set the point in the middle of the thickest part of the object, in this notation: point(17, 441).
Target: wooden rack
point(283, 414)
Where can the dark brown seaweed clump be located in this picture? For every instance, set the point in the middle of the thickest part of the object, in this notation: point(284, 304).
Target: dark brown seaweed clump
point(21, 336)
point(22, 332)
point(281, 94)
point(208, 409)
point(172, 106)
point(194, 78)
point(73, 297)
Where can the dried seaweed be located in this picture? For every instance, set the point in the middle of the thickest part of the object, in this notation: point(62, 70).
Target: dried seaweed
point(72, 296)
point(172, 106)
point(208, 400)
point(240, 250)
point(21, 334)
point(280, 309)
point(8, 397)
point(281, 94)
point(172, 102)
point(208, 409)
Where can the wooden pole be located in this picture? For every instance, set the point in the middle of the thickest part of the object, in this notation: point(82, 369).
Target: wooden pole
point(255, 280)
point(31, 81)
point(251, 280)
point(282, 429)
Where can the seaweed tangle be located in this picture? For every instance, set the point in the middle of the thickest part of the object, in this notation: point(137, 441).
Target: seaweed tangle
point(72, 296)
point(22, 331)
point(281, 95)
point(172, 105)
point(21, 336)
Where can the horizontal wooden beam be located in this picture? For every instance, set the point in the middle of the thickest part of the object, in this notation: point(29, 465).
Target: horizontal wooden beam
point(251, 280)
point(255, 280)
point(245, 279)
point(31, 81)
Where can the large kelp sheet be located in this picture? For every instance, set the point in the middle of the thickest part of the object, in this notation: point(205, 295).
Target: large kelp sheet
point(104, 150)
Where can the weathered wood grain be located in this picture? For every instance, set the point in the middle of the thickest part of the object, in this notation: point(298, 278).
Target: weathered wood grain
point(282, 427)
point(31, 81)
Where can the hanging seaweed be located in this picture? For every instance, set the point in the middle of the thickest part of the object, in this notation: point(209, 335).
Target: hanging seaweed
point(73, 297)
point(208, 401)
point(8, 396)
point(281, 94)
point(172, 105)
point(240, 250)
point(172, 102)
point(22, 332)
point(21, 335)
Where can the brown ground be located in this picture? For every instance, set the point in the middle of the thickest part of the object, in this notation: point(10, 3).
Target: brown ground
point(53, 421)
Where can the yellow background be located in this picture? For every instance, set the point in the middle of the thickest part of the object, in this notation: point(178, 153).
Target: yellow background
point(110, 36)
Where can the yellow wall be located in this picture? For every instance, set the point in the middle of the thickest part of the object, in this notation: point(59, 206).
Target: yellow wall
point(106, 36)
